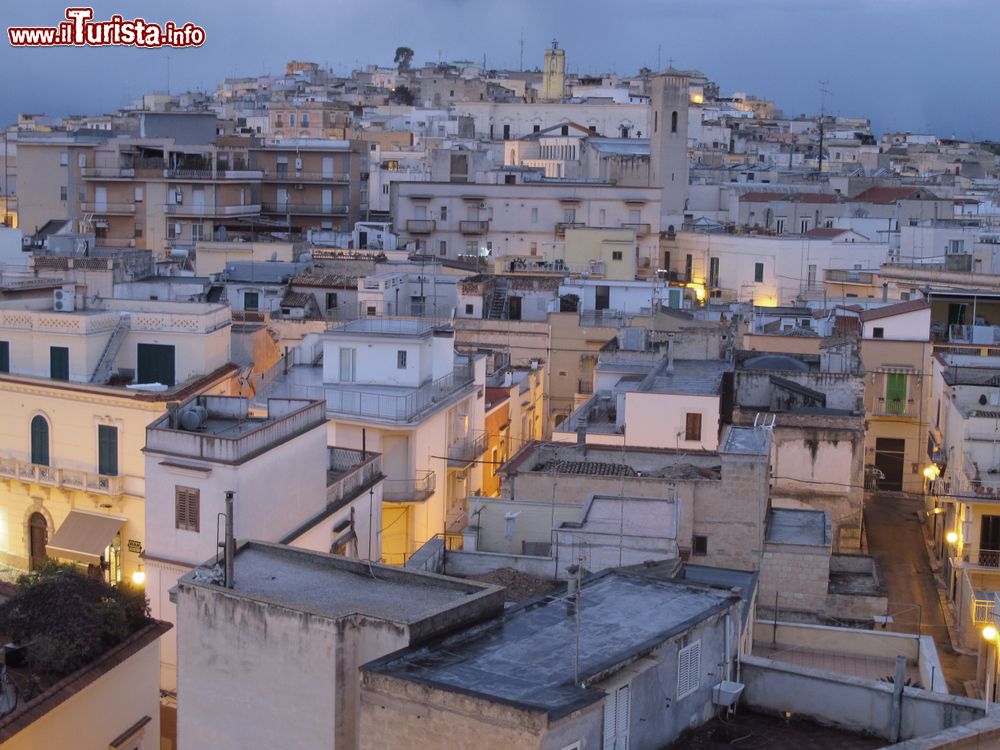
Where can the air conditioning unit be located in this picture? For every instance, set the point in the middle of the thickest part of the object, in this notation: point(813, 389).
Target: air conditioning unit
point(64, 300)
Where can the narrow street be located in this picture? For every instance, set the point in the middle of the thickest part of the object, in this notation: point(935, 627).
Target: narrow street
point(895, 539)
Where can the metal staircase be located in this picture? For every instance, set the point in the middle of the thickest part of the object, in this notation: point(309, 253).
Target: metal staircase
point(103, 370)
point(498, 302)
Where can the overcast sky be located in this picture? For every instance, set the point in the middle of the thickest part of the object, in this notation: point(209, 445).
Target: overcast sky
point(918, 65)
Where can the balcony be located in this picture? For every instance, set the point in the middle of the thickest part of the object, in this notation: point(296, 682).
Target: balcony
point(895, 408)
point(116, 241)
point(420, 226)
point(410, 490)
point(585, 386)
point(467, 450)
point(640, 228)
point(109, 173)
point(283, 175)
point(66, 479)
point(561, 227)
point(983, 607)
point(347, 473)
point(108, 208)
point(473, 227)
point(296, 209)
point(849, 276)
point(984, 558)
point(183, 209)
point(234, 175)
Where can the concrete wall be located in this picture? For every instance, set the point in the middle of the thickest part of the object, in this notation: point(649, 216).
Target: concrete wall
point(798, 575)
point(849, 703)
point(464, 564)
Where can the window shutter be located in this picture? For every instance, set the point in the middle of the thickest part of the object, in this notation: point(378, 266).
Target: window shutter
point(107, 450)
point(621, 718)
point(187, 509)
point(609, 721)
point(688, 669)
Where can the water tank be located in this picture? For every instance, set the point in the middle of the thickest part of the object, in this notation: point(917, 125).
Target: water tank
point(193, 417)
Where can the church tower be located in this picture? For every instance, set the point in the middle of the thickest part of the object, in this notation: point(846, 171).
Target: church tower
point(554, 73)
point(668, 145)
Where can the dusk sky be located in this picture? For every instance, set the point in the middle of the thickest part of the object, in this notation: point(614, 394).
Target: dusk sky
point(918, 65)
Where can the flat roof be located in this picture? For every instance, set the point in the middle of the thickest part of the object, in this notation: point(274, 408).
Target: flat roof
point(688, 376)
point(335, 587)
point(386, 326)
point(792, 526)
point(527, 656)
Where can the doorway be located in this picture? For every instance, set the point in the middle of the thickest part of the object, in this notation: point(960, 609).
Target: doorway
point(38, 538)
point(513, 308)
point(989, 540)
point(889, 459)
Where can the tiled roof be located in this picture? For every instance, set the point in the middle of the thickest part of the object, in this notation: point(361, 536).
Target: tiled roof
point(887, 195)
point(898, 309)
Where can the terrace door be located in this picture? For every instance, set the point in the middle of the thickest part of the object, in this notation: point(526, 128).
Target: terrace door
point(989, 541)
point(39, 537)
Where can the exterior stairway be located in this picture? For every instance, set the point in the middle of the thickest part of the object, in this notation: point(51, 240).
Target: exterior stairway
point(103, 370)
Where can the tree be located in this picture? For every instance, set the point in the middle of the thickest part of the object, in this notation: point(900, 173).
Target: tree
point(402, 95)
point(68, 619)
point(402, 59)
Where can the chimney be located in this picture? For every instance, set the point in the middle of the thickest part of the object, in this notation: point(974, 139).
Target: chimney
point(670, 356)
point(230, 541)
point(885, 291)
point(173, 412)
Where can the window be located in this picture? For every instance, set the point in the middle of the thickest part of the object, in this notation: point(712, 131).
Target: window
point(251, 300)
point(443, 247)
point(506, 132)
point(197, 232)
point(107, 450)
point(63, 159)
point(758, 272)
point(4, 356)
point(370, 311)
point(569, 215)
point(812, 275)
point(533, 249)
point(688, 266)
point(804, 226)
point(155, 364)
point(187, 508)
point(616, 255)
point(688, 669)
point(401, 359)
point(692, 426)
point(673, 121)
point(40, 441)
point(602, 217)
point(878, 333)
point(59, 362)
point(138, 230)
point(535, 128)
point(331, 300)
point(444, 213)
point(138, 194)
point(494, 463)
point(616, 718)
point(713, 272)
point(699, 545)
point(348, 362)
point(895, 392)
point(468, 309)
point(63, 193)
point(534, 216)
point(305, 120)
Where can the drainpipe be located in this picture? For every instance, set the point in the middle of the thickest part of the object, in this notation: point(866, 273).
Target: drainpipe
point(896, 714)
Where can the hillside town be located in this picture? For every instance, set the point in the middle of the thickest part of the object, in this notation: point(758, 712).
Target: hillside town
point(444, 406)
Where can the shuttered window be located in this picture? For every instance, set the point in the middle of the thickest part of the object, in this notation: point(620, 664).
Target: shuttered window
point(59, 363)
point(107, 450)
point(616, 717)
point(692, 426)
point(187, 508)
point(4, 356)
point(155, 364)
point(39, 441)
point(688, 669)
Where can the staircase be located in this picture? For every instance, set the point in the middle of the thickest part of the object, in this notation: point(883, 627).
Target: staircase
point(103, 370)
point(498, 302)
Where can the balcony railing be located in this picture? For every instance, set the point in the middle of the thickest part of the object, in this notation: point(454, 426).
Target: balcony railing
point(420, 226)
point(281, 175)
point(410, 490)
point(640, 228)
point(473, 227)
point(108, 172)
point(358, 474)
point(51, 476)
point(987, 558)
point(183, 209)
point(467, 450)
point(585, 386)
point(319, 209)
point(849, 276)
point(562, 226)
point(108, 208)
point(894, 408)
point(983, 609)
point(208, 174)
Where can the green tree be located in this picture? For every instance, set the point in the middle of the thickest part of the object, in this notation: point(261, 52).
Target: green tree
point(402, 59)
point(68, 619)
point(402, 95)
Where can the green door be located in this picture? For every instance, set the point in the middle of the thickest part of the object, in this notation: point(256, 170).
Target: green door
point(155, 364)
point(107, 450)
point(59, 363)
point(895, 393)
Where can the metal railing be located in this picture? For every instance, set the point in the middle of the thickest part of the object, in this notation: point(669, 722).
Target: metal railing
point(467, 450)
point(297, 175)
point(359, 472)
point(419, 488)
point(51, 476)
point(107, 208)
point(305, 208)
point(982, 610)
point(184, 209)
point(896, 407)
point(562, 226)
point(473, 227)
point(362, 402)
point(420, 226)
point(987, 558)
point(584, 386)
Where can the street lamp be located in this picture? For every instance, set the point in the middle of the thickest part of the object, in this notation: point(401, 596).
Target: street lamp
point(932, 472)
point(990, 636)
point(951, 537)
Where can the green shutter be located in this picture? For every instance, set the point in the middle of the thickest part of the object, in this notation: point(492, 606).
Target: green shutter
point(40, 441)
point(155, 364)
point(107, 450)
point(4, 356)
point(895, 393)
point(59, 363)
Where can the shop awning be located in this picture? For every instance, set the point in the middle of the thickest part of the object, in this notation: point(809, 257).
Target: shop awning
point(84, 536)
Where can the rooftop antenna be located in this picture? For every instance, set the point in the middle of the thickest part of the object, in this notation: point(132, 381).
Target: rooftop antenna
point(230, 541)
point(823, 91)
point(520, 65)
point(659, 52)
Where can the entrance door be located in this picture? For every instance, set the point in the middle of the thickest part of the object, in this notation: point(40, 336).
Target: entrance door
point(39, 537)
point(889, 458)
point(100, 199)
point(514, 308)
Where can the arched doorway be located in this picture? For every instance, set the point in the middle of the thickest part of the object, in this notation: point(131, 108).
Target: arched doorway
point(38, 537)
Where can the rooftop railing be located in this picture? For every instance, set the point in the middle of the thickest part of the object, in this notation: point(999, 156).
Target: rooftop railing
point(359, 471)
point(419, 488)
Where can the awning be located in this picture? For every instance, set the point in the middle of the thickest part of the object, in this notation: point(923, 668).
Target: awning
point(84, 536)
